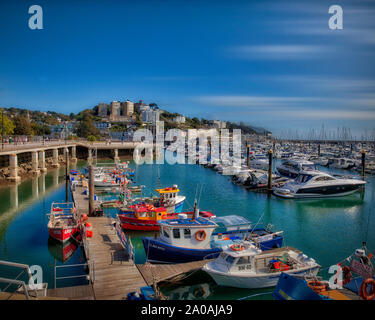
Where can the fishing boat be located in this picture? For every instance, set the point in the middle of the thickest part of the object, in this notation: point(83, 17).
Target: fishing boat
point(292, 167)
point(243, 265)
point(317, 184)
point(170, 199)
point(193, 239)
point(146, 217)
point(357, 282)
point(63, 221)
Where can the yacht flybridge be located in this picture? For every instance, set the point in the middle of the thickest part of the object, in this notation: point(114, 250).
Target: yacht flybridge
point(317, 184)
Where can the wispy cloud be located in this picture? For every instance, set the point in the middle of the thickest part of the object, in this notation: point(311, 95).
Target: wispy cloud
point(279, 51)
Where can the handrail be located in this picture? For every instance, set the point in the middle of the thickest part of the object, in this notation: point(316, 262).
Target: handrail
point(20, 283)
point(15, 281)
point(91, 271)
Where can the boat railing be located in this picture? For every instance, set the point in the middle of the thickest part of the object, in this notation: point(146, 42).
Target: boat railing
point(90, 277)
point(31, 286)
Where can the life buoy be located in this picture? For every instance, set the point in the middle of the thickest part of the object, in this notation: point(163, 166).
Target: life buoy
point(317, 286)
point(237, 247)
point(363, 290)
point(200, 235)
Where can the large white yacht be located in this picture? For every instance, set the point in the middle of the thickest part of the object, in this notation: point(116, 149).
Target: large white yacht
point(317, 184)
point(292, 167)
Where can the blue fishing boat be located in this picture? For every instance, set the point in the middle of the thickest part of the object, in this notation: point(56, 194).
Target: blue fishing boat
point(193, 239)
point(357, 282)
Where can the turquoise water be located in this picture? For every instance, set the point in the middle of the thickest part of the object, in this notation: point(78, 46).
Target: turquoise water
point(327, 230)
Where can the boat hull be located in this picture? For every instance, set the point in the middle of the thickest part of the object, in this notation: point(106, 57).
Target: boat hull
point(61, 234)
point(255, 281)
point(160, 252)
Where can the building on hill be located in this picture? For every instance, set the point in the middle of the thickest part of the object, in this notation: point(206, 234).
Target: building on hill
point(115, 110)
point(127, 108)
point(103, 127)
point(102, 110)
point(217, 124)
point(140, 106)
point(179, 119)
point(151, 116)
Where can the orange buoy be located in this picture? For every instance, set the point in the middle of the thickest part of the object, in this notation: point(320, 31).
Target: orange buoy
point(89, 232)
point(84, 217)
point(237, 247)
point(363, 290)
point(200, 235)
point(317, 286)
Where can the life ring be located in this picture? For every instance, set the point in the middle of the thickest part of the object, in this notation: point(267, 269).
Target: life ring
point(200, 235)
point(347, 274)
point(317, 286)
point(237, 247)
point(363, 290)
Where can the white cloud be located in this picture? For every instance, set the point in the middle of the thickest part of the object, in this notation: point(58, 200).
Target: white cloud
point(279, 52)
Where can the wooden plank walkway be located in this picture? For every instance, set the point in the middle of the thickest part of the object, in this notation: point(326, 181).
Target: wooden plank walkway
point(84, 292)
point(115, 275)
point(163, 272)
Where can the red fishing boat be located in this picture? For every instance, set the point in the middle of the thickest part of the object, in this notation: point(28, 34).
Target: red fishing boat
point(145, 217)
point(63, 221)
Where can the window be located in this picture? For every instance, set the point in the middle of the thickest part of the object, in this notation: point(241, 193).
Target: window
point(187, 233)
point(165, 233)
point(243, 260)
point(176, 233)
point(229, 259)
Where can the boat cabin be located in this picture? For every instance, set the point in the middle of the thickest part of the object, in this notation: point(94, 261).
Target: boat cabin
point(149, 212)
point(240, 258)
point(188, 233)
point(167, 194)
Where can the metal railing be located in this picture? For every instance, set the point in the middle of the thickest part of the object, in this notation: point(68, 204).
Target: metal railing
point(19, 283)
point(90, 265)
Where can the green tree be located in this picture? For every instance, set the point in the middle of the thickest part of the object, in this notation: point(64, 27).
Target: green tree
point(8, 124)
point(86, 127)
point(22, 126)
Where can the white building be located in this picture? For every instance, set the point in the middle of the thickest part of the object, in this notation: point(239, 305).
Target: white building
point(179, 119)
point(218, 124)
point(151, 116)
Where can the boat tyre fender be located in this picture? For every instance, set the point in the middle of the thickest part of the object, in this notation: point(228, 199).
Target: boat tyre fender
point(237, 247)
point(317, 286)
point(200, 235)
point(363, 289)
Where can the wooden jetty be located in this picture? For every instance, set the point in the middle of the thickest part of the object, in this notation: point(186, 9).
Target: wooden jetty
point(156, 273)
point(113, 274)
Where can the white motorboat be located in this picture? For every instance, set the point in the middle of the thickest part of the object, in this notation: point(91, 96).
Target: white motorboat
point(259, 161)
point(317, 184)
point(243, 265)
point(292, 167)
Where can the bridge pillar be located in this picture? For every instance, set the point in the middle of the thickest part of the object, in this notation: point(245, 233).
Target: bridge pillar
point(13, 168)
point(89, 158)
point(55, 158)
point(34, 163)
point(116, 158)
point(42, 161)
point(74, 156)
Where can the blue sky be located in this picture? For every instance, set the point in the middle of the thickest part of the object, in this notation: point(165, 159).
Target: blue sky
point(274, 64)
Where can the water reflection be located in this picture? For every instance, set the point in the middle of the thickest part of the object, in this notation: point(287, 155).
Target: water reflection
point(62, 251)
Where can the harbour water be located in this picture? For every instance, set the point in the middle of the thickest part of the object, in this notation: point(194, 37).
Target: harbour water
point(327, 229)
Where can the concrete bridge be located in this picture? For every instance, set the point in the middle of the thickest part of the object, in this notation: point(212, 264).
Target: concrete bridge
point(35, 152)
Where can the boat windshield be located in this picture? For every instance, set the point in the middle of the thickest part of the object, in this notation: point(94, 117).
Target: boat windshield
point(231, 222)
point(302, 178)
point(308, 167)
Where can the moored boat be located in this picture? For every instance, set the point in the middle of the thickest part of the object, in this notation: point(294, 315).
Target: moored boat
point(63, 221)
point(243, 265)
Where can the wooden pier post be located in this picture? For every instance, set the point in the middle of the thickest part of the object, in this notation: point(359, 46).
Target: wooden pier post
point(270, 171)
point(248, 155)
point(67, 174)
point(91, 190)
point(363, 164)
